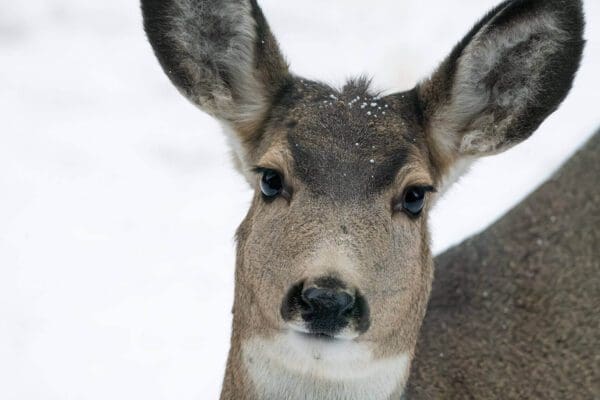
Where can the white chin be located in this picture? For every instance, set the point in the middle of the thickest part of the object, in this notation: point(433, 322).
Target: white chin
point(297, 366)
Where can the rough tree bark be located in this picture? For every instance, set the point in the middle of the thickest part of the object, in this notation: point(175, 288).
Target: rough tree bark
point(515, 310)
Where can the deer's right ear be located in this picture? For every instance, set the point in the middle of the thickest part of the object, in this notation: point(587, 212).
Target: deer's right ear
point(221, 55)
point(502, 80)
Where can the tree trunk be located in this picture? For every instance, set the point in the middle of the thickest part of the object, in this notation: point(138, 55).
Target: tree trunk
point(515, 310)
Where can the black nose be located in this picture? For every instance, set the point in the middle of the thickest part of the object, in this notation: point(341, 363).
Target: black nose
point(327, 302)
point(326, 306)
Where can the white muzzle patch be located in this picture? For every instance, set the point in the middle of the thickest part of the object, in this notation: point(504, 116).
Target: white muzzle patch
point(292, 366)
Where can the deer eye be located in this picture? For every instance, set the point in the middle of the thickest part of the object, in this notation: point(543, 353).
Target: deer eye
point(271, 183)
point(414, 200)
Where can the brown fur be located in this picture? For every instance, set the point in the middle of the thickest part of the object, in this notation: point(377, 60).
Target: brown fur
point(514, 310)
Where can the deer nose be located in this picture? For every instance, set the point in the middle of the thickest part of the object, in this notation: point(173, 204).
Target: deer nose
point(324, 302)
point(326, 306)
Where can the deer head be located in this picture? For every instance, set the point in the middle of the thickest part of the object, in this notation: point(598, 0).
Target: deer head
point(334, 267)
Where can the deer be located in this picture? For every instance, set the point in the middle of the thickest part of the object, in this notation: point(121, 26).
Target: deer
point(333, 260)
point(513, 321)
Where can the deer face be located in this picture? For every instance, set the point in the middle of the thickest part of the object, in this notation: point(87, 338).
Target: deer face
point(334, 250)
point(335, 243)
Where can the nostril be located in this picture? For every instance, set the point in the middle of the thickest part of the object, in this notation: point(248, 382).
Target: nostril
point(293, 302)
point(346, 302)
point(310, 295)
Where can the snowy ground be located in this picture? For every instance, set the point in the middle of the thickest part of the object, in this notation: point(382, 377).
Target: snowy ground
point(118, 203)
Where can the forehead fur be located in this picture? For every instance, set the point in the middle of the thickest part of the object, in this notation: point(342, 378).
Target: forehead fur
point(348, 143)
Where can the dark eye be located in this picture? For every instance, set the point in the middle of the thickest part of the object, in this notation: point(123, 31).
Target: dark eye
point(271, 183)
point(414, 200)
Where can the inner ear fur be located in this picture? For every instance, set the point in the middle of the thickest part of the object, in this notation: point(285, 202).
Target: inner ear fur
point(220, 54)
point(509, 73)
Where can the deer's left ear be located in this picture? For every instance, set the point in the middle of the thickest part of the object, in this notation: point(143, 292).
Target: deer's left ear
point(503, 79)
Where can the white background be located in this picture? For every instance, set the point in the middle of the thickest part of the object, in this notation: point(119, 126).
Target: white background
point(118, 202)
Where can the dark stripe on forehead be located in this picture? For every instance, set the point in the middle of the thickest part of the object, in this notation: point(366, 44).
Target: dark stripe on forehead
point(328, 171)
point(344, 164)
point(349, 144)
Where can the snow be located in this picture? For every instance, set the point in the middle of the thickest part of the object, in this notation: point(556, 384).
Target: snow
point(118, 201)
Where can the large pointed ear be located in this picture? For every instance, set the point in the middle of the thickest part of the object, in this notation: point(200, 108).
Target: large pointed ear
point(503, 79)
point(220, 54)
